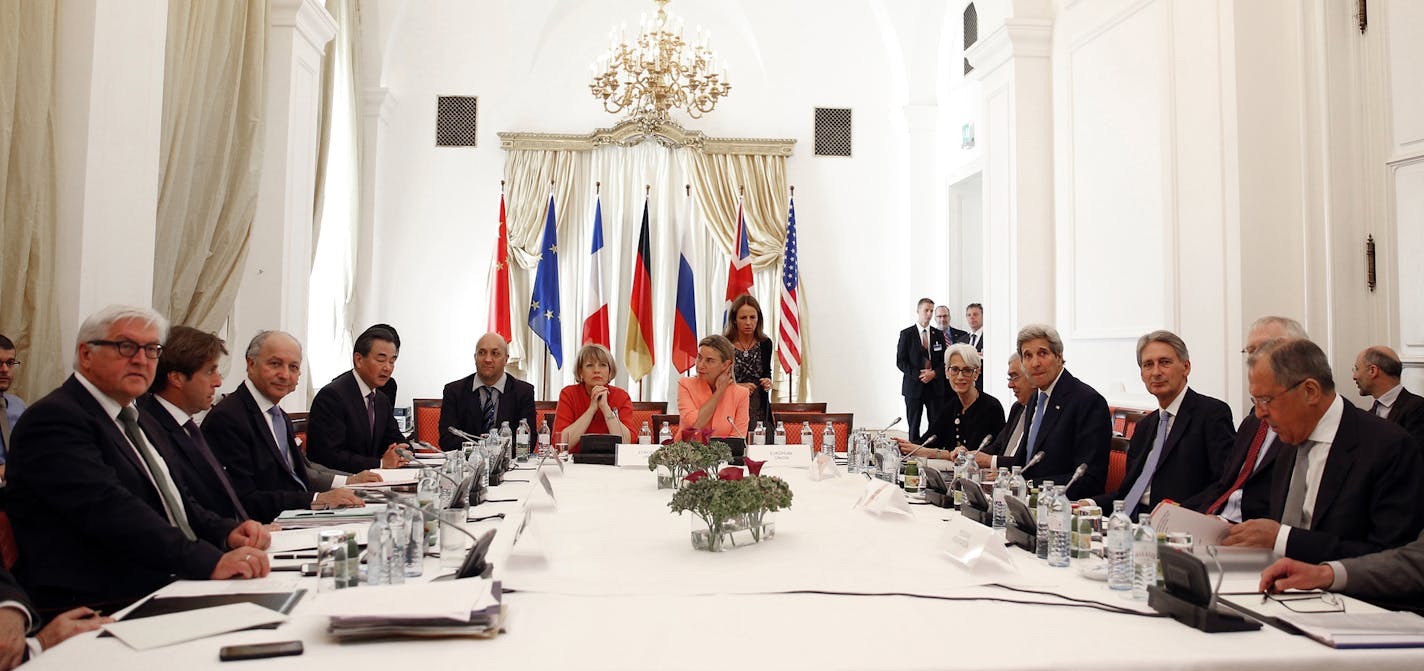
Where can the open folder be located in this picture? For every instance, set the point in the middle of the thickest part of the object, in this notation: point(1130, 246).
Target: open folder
point(1332, 619)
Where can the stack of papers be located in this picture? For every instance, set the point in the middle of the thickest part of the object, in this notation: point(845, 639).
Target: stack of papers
point(1361, 630)
point(465, 608)
point(310, 519)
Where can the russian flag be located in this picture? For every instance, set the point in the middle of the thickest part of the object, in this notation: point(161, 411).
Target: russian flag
point(684, 325)
point(595, 306)
point(739, 275)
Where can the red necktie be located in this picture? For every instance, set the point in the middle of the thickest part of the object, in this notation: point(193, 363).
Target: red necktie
point(1246, 469)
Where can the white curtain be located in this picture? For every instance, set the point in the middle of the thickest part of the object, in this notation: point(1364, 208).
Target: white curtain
point(330, 328)
point(28, 314)
point(211, 157)
point(624, 173)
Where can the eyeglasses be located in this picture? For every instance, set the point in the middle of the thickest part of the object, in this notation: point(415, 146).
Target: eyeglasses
point(1322, 602)
point(1264, 402)
point(956, 370)
point(10, 363)
point(128, 348)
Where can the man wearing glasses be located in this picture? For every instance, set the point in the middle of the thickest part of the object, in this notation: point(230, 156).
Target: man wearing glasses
point(11, 406)
point(93, 502)
point(1350, 484)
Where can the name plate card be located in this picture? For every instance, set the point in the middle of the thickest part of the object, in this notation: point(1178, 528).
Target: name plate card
point(794, 456)
point(968, 543)
point(635, 455)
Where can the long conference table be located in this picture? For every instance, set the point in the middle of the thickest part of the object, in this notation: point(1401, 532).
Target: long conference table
point(604, 577)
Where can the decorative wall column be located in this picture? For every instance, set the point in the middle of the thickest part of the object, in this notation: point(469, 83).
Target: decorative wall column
point(109, 93)
point(1014, 65)
point(275, 281)
point(377, 104)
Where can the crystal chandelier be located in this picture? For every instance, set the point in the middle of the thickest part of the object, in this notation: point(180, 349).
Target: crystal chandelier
point(658, 71)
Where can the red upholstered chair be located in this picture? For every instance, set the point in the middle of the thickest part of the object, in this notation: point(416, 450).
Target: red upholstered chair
point(778, 408)
point(544, 413)
point(841, 422)
point(427, 420)
point(673, 423)
point(643, 411)
point(1132, 417)
point(299, 426)
point(8, 550)
point(1117, 463)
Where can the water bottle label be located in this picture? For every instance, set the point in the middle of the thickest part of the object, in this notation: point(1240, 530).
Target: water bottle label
point(1056, 524)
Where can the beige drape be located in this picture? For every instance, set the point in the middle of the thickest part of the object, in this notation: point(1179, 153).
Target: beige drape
point(27, 194)
point(716, 182)
point(210, 157)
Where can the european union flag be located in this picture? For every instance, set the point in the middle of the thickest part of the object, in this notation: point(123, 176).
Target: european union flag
point(544, 313)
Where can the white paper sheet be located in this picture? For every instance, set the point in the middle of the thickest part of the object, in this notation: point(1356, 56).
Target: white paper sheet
point(161, 630)
point(451, 599)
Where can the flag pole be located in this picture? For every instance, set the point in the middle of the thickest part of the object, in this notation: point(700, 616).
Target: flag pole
point(544, 373)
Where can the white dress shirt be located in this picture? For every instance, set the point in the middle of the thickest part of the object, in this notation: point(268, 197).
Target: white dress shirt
point(1386, 401)
point(1322, 436)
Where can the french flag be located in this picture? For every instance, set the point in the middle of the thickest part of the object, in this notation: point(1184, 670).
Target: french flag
point(684, 325)
point(595, 325)
point(739, 274)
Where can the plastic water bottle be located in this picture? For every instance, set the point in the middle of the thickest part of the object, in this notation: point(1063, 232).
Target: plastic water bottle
point(805, 433)
point(1144, 557)
point(759, 434)
point(961, 470)
point(1119, 541)
point(521, 441)
point(378, 544)
point(828, 441)
point(645, 435)
point(1018, 486)
point(1001, 492)
point(506, 437)
point(1060, 519)
point(780, 437)
point(427, 496)
point(664, 434)
point(544, 440)
point(400, 540)
point(1045, 504)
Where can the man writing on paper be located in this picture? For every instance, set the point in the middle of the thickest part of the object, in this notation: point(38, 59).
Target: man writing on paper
point(1350, 486)
point(253, 438)
point(1179, 448)
point(94, 504)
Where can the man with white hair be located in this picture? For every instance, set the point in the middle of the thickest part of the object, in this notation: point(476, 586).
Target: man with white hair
point(92, 500)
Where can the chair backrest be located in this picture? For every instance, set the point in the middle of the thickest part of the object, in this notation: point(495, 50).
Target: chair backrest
point(1131, 418)
point(1117, 463)
point(8, 550)
point(673, 422)
point(643, 411)
point(427, 420)
point(544, 412)
point(299, 428)
point(778, 408)
point(841, 422)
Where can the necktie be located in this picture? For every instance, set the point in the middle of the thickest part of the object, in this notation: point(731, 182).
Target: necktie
point(279, 431)
point(1134, 495)
point(1037, 422)
point(201, 445)
point(487, 406)
point(4, 422)
point(371, 412)
point(1294, 513)
point(925, 339)
point(1246, 468)
point(1374, 410)
point(128, 418)
point(974, 340)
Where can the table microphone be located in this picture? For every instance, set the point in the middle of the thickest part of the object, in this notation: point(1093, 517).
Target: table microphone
point(461, 434)
point(1082, 468)
point(888, 426)
point(1037, 458)
point(928, 441)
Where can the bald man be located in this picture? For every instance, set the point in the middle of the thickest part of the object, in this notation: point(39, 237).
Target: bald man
point(1377, 371)
point(479, 402)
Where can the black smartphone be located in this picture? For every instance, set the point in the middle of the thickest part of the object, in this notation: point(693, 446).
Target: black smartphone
point(233, 653)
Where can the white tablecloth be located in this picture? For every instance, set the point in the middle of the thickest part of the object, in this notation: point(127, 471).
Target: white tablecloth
point(609, 580)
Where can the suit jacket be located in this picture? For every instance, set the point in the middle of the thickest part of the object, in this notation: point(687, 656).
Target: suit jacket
point(91, 523)
point(460, 408)
point(1394, 576)
point(10, 590)
point(209, 487)
point(955, 336)
point(238, 432)
point(1077, 429)
point(911, 358)
point(1408, 412)
point(1192, 458)
point(337, 431)
point(1000, 443)
point(1256, 491)
point(1368, 496)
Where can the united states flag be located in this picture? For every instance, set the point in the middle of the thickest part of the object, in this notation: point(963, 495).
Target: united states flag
point(788, 350)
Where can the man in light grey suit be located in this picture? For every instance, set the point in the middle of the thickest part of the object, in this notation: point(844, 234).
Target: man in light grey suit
point(1395, 575)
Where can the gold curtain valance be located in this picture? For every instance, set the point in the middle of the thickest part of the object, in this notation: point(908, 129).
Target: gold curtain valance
point(632, 132)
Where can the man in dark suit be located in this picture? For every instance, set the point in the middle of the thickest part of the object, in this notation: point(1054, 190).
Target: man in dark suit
point(92, 500)
point(951, 335)
point(389, 388)
point(351, 426)
point(1181, 447)
point(18, 618)
point(1007, 442)
point(1351, 484)
point(1069, 424)
point(920, 357)
point(1377, 372)
point(184, 386)
point(254, 439)
point(479, 402)
point(974, 314)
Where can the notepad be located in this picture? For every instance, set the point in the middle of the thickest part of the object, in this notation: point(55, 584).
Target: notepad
point(161, 630)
